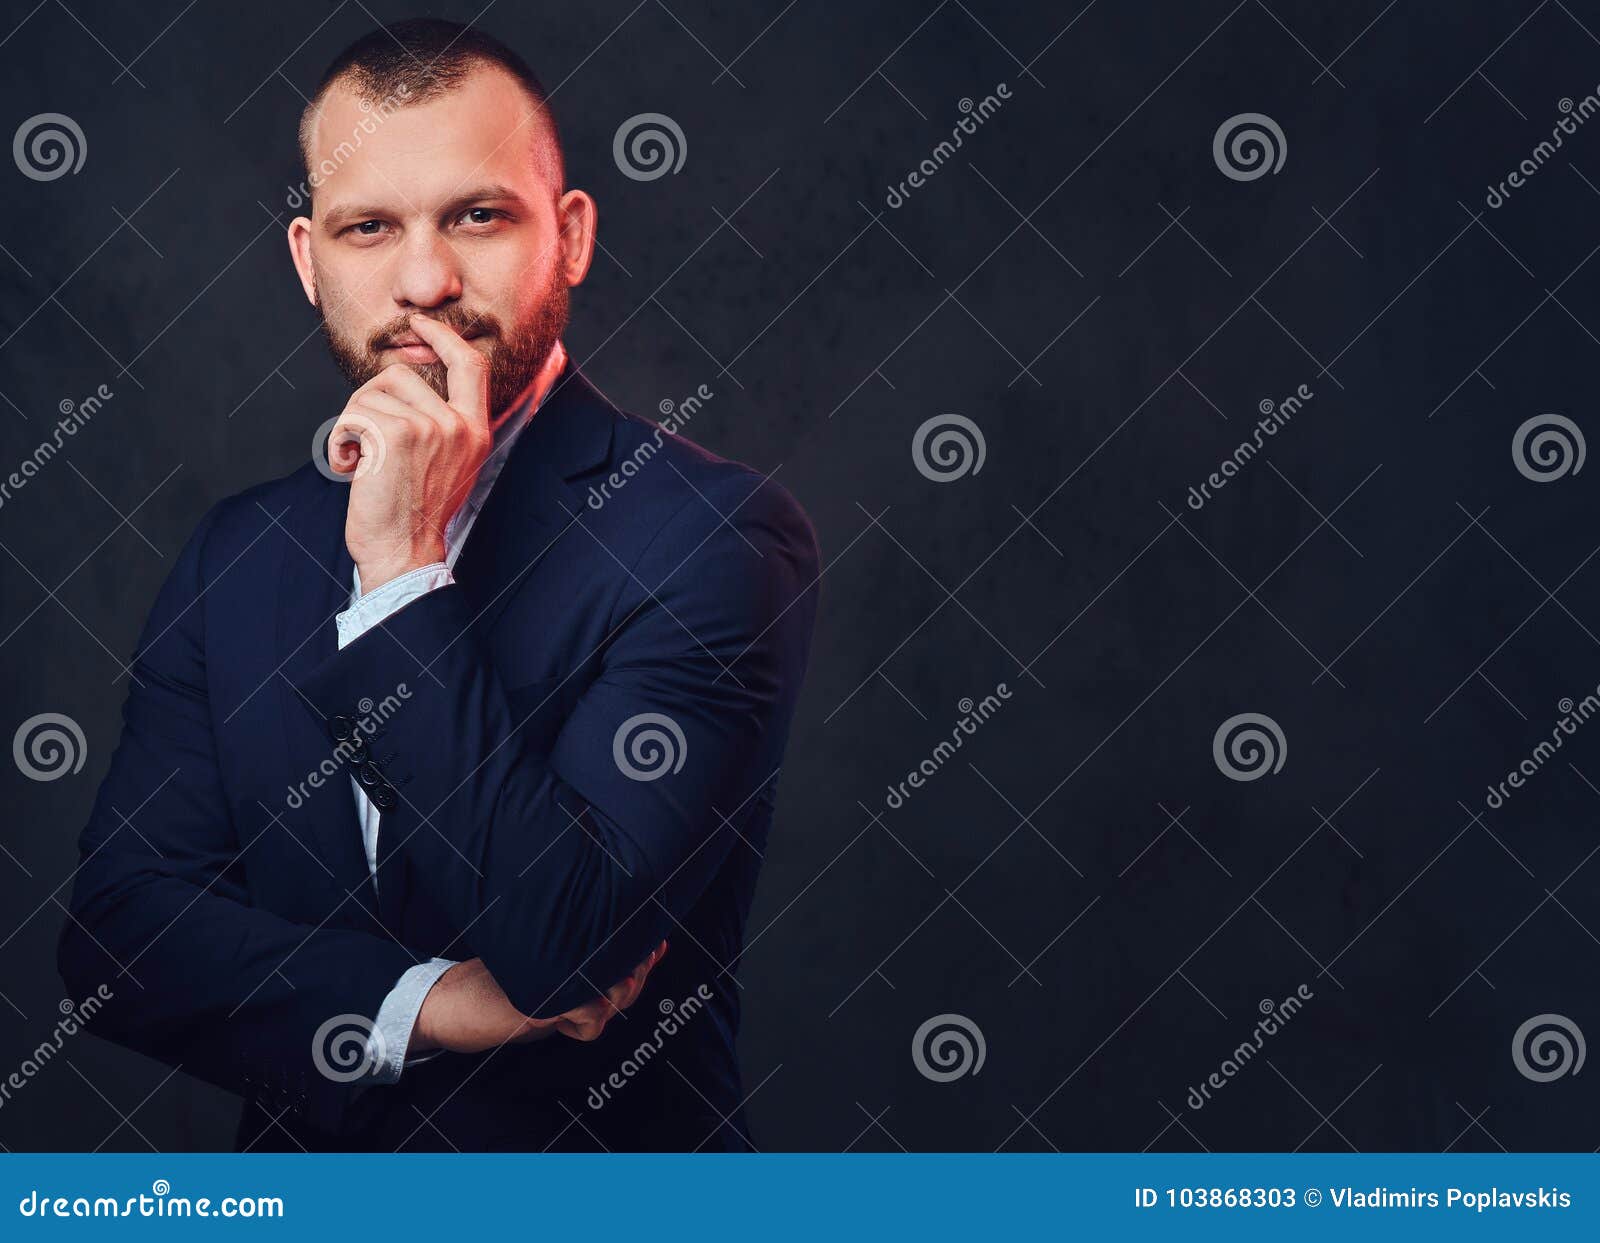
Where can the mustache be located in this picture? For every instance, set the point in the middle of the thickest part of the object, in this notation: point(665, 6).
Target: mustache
point(467, 323)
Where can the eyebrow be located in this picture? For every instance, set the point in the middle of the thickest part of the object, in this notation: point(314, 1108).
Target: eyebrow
point(351, 213)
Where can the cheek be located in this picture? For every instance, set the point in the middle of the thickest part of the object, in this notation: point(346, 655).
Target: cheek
point(350, 309)
point(509, 279)
point(353, 283)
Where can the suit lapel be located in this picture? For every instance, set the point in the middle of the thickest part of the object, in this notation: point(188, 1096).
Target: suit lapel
point(314, 583)
point(532, 502)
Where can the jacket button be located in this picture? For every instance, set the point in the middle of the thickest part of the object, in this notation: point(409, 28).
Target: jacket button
point(370, 775)
point(343, 727)
point(357, 746)
point(383, 798)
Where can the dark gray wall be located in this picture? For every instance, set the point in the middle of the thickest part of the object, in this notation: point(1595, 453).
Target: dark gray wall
point(1083, 282)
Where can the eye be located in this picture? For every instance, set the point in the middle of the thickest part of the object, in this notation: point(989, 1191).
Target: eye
point(481, 215)
point(366, 228)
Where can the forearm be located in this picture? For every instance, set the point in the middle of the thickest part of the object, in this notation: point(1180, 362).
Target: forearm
point(556, 904)
point(232, 994)
point(566, 862)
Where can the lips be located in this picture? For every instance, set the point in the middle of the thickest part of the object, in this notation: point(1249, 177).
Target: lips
point(410, 340)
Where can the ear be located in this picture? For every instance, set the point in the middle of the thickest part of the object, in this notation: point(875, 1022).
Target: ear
point(300, 252)
point(577, 217)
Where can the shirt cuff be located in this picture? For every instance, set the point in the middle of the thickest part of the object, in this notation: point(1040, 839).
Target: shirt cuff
point(367, 611)
point(391, 1033)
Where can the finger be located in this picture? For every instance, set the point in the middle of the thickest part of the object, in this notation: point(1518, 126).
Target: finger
point(627, 992)
point(402, 382)
point(591, 1014)
point(358, 440)
point(383, 429)
point(384, 402)
point(620, 996)
point(467, 369)
point(585, 1032)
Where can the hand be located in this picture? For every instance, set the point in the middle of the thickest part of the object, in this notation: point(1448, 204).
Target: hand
point(589, 1020)
point(412, 455)
point(466, 1011)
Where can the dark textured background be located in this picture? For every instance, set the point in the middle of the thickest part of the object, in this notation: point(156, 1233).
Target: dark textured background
point(1082, 882)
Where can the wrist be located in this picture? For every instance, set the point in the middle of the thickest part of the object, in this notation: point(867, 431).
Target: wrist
point(424, 1035)
point(375, 572)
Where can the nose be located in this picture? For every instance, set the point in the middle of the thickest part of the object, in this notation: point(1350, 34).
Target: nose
point(426, 274)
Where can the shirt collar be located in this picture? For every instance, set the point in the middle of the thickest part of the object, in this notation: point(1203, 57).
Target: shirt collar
point(512, 427)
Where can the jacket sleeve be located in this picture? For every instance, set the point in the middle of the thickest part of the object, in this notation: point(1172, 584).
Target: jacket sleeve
point(565, 867)
point(159, 916)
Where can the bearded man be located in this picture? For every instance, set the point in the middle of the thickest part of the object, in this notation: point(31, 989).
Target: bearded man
point(426, 759)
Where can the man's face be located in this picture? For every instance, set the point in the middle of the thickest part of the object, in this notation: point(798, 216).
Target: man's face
point(439, 207)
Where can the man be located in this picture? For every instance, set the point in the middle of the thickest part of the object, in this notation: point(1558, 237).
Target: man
point(427, 755)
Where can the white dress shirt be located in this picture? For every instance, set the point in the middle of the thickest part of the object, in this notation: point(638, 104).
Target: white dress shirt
point(391, 1032)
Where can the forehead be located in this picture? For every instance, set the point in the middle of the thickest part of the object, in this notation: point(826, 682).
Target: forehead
point(485, 128)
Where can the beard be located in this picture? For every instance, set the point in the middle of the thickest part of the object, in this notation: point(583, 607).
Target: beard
point(515, 355)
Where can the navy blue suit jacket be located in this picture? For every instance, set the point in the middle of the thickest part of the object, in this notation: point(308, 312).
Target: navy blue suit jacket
point(224, 893)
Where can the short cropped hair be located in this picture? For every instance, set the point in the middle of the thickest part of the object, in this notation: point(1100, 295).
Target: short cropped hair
point(414, 61)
